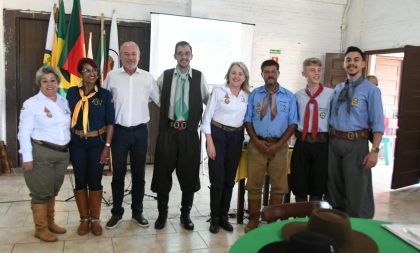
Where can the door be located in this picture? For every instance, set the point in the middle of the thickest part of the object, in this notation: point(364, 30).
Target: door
point(334, 71)
point(407, 149)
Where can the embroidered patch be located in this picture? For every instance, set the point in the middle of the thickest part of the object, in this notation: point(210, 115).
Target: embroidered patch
point(97, 101)
point(283, 108)
point(355, 101)
point(258, 108)
point(322, 115)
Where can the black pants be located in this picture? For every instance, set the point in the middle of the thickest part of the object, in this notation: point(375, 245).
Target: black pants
point(180, 151)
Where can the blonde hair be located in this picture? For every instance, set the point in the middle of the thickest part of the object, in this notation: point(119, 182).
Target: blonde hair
point(312, 61)
point(245, 85)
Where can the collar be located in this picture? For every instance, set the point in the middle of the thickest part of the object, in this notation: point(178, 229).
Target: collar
point(95, 87)
point(226, 88)
point(261, 89)
point(189, 72)
point(122, 70)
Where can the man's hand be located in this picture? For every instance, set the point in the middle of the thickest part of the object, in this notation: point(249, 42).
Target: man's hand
point(27, 165)
point(261, 145)
point(211, 150)
point(370, 160)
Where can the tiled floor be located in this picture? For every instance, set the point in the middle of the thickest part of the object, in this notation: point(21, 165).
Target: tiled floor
point(16, 226)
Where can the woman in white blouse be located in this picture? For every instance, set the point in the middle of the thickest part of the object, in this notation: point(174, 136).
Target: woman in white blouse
point(44, 134)
point(223, 127)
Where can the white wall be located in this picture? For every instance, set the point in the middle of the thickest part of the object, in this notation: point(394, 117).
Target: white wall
point(379, 24)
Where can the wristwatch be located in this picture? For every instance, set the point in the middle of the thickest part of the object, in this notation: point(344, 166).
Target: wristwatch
point(375, 150)
point(108, 145)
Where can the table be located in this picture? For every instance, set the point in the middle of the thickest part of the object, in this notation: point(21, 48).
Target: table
point(387, 242)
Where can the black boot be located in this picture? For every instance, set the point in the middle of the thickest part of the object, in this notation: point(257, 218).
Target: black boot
point(225, 205)
point(215, 200)
point(186, 205)
point(163, 210)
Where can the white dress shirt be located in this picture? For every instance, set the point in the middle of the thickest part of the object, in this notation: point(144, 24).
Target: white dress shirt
point(45, 120)
point(225, 108)
point(203, 88)
point(131, 95)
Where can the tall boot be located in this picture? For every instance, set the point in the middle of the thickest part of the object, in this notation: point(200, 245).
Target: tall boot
point(51, 223)
point(254, 206)
point(215, 201)
point(95, 201)
point(39, 212)
point(225, 205)
point(186, 205)
point(276, 199)
point(83, 206)
point(162, 202)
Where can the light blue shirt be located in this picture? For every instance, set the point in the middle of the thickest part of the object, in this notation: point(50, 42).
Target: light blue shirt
point(286, 112)
point(366, 109)
point(45, 120)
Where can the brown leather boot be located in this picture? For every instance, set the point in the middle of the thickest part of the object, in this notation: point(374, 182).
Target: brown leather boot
point(82, 204)
point(95, 199)
point(254, 207)
point(51, 224)
point(39, 212)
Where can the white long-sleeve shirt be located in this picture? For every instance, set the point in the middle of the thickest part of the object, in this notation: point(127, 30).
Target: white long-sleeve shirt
point(131, 94)
point(225, 108)
point(43, 119)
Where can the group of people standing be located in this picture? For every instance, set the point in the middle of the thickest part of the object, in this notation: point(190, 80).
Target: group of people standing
point(97, 120)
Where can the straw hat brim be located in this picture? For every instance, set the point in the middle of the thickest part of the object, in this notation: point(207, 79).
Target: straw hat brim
point(361, 242)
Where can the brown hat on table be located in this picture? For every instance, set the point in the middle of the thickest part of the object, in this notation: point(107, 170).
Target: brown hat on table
point(336, 225)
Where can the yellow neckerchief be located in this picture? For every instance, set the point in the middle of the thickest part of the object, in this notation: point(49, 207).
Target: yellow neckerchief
point(84, 101)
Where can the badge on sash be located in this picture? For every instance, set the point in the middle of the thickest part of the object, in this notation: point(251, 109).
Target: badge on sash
point(227, 99)
point(48, 113)
point(258, 109)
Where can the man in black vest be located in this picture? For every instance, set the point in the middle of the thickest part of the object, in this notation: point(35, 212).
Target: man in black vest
point(183, 93)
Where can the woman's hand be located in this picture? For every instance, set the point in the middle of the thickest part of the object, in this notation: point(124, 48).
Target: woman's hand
point(104, 155)
point(27, 165)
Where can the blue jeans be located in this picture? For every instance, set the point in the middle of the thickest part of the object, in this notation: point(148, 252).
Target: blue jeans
point(85, 155)
point(134, 142)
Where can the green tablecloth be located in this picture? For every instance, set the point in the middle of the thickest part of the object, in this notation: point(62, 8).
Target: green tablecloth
point(387, 242)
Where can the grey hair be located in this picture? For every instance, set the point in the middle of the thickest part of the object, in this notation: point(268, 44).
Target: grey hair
point(44, 70)
point(128, 43)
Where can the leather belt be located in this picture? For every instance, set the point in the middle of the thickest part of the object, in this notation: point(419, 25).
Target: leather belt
point(179, 125)
point(269, 139)
point(226, 128)
point(354, 135)
point(131, 128)
point(61, 148)
point(320, 137)
point(90, 133)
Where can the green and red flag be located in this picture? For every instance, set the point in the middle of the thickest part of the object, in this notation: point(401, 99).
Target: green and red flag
point(74, 45)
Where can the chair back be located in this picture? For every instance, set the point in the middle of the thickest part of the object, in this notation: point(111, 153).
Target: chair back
point(289, 210)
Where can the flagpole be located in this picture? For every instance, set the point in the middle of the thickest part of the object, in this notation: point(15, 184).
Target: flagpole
point(102, 46)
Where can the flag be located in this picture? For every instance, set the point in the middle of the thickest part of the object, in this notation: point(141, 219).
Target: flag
point(59, 38)
point(89, 51)
point(102, 56)
point(113, 52)
point(74, 46)
point(50, 39)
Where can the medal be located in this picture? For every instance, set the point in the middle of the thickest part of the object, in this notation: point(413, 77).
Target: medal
point(49, 115)
point(227, 100)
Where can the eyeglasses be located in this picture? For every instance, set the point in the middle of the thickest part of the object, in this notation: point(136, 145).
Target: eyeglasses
point(90, 71)
point(181, 54)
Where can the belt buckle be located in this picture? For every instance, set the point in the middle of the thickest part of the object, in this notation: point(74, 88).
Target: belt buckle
point(180, 125)
point(350, 135)
point(310, 139)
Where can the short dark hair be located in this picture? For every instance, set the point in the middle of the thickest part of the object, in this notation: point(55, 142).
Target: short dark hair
point(355, 49)
point(269, 63)
point(94, 65)
point(181, 44)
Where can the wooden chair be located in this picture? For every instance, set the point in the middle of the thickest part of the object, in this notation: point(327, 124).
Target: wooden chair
point(288, 210)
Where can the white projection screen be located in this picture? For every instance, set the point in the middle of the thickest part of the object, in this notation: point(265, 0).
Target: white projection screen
point(215, 43)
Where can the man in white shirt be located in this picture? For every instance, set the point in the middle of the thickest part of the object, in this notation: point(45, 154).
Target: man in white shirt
point(183, 93)
point(131, 89)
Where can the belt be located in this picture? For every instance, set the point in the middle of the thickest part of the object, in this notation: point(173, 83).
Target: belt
point(179, 125)
point(61, 148)
point(355, 135)
point(269, 139)
point(226, 128)
point(131, 128)
point(90, 133)
point(320, 137)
